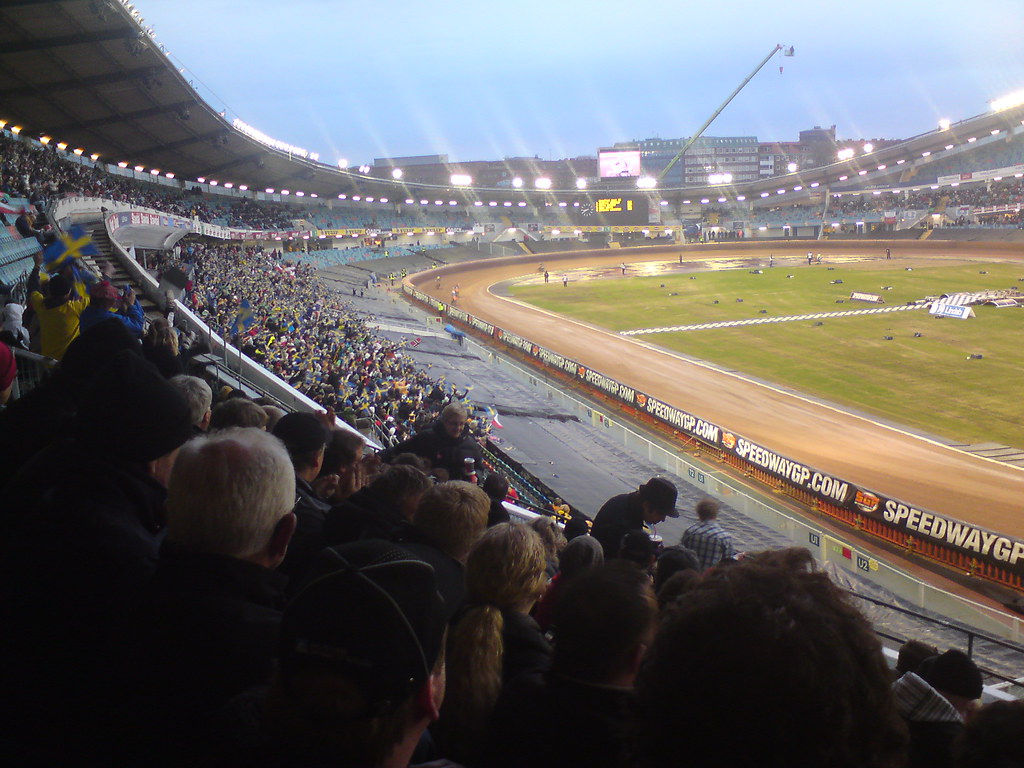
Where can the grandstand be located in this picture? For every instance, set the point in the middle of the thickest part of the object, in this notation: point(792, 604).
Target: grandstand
point(333, 299)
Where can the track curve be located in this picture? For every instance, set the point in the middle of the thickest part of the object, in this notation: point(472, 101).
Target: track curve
point(889, 460)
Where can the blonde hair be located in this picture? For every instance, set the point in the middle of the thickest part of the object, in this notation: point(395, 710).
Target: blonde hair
point(453, 515)
point(551, 535)
point(505, 571)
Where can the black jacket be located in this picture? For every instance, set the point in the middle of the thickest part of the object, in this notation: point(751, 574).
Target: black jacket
point(81, 533)
point(553, 722)
point(207, 631)
point(308, 540)
point(618, 515)
point(441, 449)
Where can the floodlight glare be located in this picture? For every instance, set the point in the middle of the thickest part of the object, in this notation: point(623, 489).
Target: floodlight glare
point(44, 139)
point(343, 163)
point(581, 183)
point(845, 154)
point(122, 164)
point(646, 182)
point(1014, 99)
point(792, 167)
point(517, 182)
point(869, 148)
point(461, 179)
point(79, 151)
point(718, 178)
point(944, 124)
point(62, 146)
point(94, 156)
point(396, 174)
point(542, 183)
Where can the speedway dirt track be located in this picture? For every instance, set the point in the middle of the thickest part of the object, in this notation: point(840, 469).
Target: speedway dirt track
point(886, 459)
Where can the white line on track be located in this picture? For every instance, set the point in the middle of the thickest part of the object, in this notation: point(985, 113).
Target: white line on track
point(762, 320)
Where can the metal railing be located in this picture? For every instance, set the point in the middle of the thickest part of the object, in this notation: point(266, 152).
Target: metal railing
point(33, 369)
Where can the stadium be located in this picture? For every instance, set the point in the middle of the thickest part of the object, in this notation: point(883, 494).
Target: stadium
point(819, 336)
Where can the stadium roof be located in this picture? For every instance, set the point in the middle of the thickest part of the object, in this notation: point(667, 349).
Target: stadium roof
point(88, 73)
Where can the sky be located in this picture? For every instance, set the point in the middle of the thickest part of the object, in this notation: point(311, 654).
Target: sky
point(486, 80)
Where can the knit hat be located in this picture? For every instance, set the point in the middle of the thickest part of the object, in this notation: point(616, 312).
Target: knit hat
point(301, 433)
point(952, 672)
point(130, 411)
point(661, 495)
point(104, 291)
point(370, 612)
point(8, 367)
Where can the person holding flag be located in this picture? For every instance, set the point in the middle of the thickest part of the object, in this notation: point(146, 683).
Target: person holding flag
point(59, 310)
point(244, 319)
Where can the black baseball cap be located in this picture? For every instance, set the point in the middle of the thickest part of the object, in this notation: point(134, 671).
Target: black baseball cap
point(370, 612)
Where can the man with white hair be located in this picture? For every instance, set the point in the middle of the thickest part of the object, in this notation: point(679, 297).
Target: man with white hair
point(199, 396)
point(209, 626)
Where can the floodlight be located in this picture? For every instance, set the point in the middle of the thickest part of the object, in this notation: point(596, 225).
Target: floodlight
point(845, 154)
point(581, 183)
point(202, 179)
point(79, 151)
point(122, 164)
point(792, 167)
point(461, 179)
point(646, 182)
point(396, 174)
point(94, 156)
point(869, 148)
point(944, 124)
point(1014, 99)
point(542, 183)
point(44, 139)
point(517, 182)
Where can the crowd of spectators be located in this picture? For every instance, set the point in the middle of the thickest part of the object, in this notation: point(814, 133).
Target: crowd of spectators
point(193, 590)
point(300, 330)
point(197, 578)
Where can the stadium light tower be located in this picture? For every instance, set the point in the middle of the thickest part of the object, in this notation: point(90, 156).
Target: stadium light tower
point(787, 51)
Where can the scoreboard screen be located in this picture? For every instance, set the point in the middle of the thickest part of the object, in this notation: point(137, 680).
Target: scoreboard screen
point(613, 210)
point(614, 164)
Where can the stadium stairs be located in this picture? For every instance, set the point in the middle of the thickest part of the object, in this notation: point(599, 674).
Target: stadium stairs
point(118, 276)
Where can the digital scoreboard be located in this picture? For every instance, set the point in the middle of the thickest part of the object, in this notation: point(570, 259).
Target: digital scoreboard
point(613, 210)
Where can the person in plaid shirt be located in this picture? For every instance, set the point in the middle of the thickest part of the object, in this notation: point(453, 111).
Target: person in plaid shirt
point(708, 539)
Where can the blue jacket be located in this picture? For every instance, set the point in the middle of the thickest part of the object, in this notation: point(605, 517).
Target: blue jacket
point(131, 317)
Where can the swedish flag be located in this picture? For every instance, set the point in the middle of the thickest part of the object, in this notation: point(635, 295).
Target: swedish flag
point(245, 317)
point(68, 246)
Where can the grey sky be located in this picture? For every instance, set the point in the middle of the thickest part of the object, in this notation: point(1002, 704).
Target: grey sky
point(557, 78)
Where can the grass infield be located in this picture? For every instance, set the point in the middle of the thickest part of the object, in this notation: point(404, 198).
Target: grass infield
point(925, 382)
